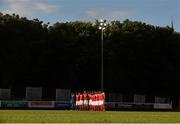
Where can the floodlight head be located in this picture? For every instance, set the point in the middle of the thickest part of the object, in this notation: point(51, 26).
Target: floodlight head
point(101, 20)
point(100, 28)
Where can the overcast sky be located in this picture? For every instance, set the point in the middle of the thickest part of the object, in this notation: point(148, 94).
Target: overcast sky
point(155, 12)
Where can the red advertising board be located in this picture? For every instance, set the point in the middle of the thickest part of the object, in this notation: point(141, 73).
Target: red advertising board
point(41, 104)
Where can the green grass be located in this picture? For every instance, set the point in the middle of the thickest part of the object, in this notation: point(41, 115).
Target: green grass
point(58, 116)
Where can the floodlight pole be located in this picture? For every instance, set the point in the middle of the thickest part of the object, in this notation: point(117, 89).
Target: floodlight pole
point(102, 28)
point(102, 62)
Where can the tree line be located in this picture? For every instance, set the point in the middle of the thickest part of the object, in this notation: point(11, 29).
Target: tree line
point(138, 57)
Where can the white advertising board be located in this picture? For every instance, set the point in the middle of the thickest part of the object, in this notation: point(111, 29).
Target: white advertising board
point(33, 93)
point(162, 106)
point(139, 98)
point(5, 94)
point(161, 100)
point(63, 94)
point(115, 97)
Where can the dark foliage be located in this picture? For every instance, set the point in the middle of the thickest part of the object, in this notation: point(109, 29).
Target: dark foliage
point(138, 58)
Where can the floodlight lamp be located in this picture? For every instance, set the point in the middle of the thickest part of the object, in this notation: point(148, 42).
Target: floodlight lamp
point(100, 28)
point(101, 20)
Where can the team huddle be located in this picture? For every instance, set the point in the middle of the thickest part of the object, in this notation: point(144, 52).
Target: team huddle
point(90, 101)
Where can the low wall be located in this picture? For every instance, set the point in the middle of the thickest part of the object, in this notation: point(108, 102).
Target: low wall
point(67, 105)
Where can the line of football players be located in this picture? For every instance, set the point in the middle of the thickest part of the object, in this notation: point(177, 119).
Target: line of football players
point(90, 101)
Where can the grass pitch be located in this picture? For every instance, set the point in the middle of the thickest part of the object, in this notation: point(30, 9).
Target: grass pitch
point(58, 116)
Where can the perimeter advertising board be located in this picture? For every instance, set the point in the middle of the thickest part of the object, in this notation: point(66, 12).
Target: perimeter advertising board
point(14, 104)
point(161, 100)
point(33, 93)
point(63, 95)
point(115, 97)
point(41, 104)
point(62, 104)
point(118, 105)
point(162, 106)
point(139, 98)
point(5, 94)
